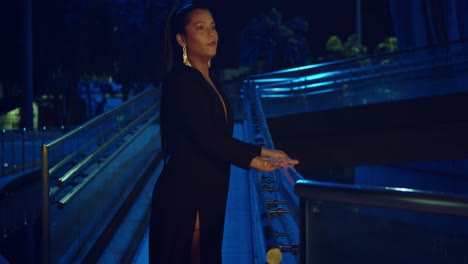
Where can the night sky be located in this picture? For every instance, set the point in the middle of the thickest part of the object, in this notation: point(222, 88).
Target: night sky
point(325, 18)
point(331, 17)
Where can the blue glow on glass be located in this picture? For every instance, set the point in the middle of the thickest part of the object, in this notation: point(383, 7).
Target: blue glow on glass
point(272, 80)
point(278, 95)
point(316, 76)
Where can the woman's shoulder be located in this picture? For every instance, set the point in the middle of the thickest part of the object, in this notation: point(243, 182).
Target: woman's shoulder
point(183, 79)
point(184, 73)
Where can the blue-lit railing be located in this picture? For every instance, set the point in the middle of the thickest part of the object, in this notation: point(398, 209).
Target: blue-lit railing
point(336, 231)
point(89, 173)
point(20, 149)
point(273, 203)
point(344, 223)
point(365, 80)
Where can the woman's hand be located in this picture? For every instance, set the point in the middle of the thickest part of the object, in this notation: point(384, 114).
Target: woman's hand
point(271, 164)
point(274, 153)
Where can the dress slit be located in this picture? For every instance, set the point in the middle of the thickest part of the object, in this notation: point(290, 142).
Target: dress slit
point(195, 253)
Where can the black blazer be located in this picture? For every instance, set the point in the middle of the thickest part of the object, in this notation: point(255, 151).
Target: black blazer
point(195, 131)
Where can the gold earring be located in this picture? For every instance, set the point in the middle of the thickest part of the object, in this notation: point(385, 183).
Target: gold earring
point(184, 57)
point(209, 64)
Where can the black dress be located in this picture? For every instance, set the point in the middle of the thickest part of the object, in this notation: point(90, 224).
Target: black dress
point(197, 128)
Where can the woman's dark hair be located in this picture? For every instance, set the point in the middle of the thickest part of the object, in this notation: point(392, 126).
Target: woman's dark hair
point(175, 24)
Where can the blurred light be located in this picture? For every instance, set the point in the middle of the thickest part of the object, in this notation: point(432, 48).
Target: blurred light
point(400, 189)
point(313, 85)
point(268, 80)
point(301, 68)
point(317, 76)
point(296, 95)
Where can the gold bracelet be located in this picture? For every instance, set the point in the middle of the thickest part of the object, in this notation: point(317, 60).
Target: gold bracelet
point(264, 163)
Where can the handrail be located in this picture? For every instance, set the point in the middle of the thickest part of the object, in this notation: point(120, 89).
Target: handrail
point(356, 59)
point(122, 119)
point(284, 193)
point(268, 250)
point(298, 84)
point(388, 197)
point(97, 119)
point(331, 77)
point(67, 198)
point(90, 158)
point(286, 187)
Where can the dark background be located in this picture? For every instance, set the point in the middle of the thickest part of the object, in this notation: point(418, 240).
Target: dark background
point(326, 18)
point(79, 41)
point(331, 17)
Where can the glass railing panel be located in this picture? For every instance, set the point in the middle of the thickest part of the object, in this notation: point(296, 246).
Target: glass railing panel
point(20, 149)
point(93, 168)
point(93, 132)
point(72, 149)
point(343, 233)
point(77, 225)
point(20, 210)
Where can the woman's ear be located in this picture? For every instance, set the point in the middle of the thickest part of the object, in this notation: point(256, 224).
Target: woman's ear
point(180, 40)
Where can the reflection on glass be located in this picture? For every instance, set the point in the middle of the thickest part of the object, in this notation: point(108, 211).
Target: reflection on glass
point(337, 233)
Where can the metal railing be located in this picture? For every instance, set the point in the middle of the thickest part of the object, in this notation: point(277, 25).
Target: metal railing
point(388, 197)
point(20, 149)
point(405, 74)
point(389, 210)
point(401, 75)
point(89, 172)
point(275, 209)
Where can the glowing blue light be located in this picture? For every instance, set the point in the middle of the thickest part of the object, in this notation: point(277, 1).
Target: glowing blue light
point(296, 69)
point(316, 76)
point(269, 80)
point(276, 89)
point(285, 95)
point(313, 85)
point(400, 189)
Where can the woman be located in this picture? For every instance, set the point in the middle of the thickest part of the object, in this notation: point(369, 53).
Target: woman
point(196, 129)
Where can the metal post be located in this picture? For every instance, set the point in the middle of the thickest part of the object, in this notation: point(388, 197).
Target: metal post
point(26, 109)
point(358, 22)
point(3, 152)
point(23, 147)
point(45, 205)
point(33, 148)
point(13, 152)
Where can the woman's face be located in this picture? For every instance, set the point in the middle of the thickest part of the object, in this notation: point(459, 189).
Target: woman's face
point(201, 38)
